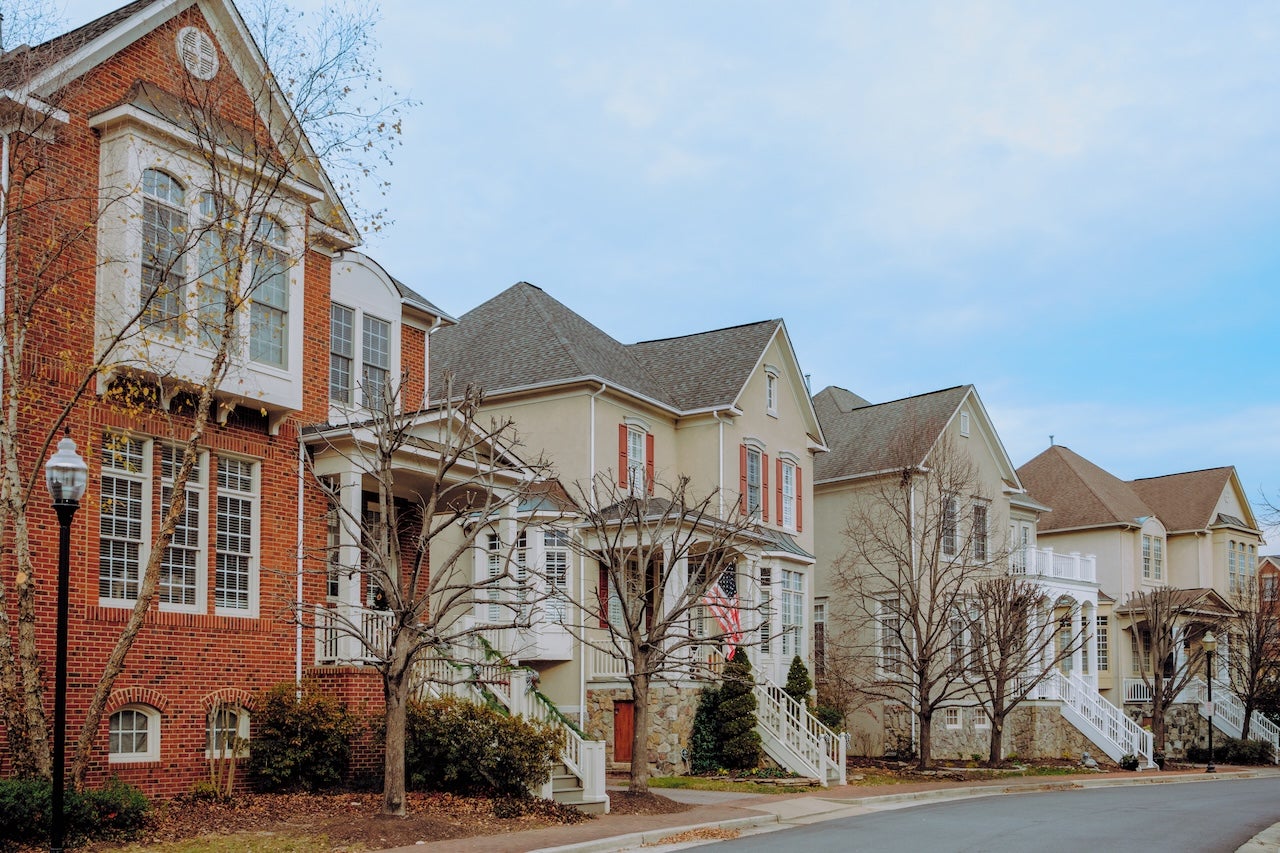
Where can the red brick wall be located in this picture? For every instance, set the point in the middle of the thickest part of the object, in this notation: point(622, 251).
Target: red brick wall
point(360, 688)
point(413, 354)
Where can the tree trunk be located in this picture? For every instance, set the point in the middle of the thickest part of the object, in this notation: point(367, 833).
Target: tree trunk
point(640, 734)
point(1158, 707)
point(37, 729)
point(995, 756)
point(395, 690)
point(1248, 712)
point(925, 721)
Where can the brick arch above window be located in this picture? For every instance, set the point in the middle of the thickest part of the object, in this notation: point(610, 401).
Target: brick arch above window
point(136, 696)
point(237, 696)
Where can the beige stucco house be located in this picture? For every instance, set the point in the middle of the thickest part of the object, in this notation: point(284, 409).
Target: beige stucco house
point(727, 409)
point(1192, 531)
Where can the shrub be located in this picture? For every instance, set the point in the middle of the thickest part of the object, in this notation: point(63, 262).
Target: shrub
point(1129, 761)
point(1229, 750)
point(798, 681)
point(114, 811)
point(302, 742)
point(830, 717)
point(739, 741)
point(704, 740)
point(461, 747)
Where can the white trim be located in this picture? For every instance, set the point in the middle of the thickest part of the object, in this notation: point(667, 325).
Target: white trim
point(152, 752)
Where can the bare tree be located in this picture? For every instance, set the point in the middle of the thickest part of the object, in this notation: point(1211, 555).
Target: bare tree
point(1015, 640)
point(918, 541)
point(663, 555)
point(1169, 622)
point(204, 280)
point(1253, 648)
point(441, 478)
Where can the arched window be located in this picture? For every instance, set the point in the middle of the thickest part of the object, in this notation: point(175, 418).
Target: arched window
point(134, 734)
point(218, 270)
point(269, 290)
point(228, 734)
point(164, 230)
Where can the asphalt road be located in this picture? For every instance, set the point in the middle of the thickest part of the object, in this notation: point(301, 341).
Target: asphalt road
point(1199, 817)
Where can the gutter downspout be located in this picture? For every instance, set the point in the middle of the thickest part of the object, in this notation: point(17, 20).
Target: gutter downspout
point(426, 362)
point(297, 663)
point(582, 566)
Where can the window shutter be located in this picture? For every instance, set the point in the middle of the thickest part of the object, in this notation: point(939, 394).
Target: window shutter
point(778, 491)
point(742, 479)
point(648, 462)
point(622, 456)
point(799, 503)
point(764, 487)
point(602, 592)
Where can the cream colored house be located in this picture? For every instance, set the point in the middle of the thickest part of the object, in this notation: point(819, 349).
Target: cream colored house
point(991, 513)
point(726, 408)
point(1193, 531)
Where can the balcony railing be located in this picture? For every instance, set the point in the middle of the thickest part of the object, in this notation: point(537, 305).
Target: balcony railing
point(346, 633)
point(1043, 562)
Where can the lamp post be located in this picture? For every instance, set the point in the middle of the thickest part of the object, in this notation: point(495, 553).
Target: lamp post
point(65, 474)
point(1209, 643)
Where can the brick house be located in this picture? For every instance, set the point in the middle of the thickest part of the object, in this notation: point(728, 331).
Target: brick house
point(133, 120)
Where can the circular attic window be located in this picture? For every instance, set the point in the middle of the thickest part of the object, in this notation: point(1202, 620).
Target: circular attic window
point(197, 53)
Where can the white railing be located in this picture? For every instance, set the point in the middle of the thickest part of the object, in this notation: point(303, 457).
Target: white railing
point(1228, 715)
point(795, 738)
point(1043, 562)
point(346, 633)
point(1105, 724)
point(1136, 690)
point(606, 664)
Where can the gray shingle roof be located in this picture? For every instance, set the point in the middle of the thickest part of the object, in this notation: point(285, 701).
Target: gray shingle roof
point(1184, 501)
point(863, 438)
point(24, 62)
point(524, 337)
point(1080, 493)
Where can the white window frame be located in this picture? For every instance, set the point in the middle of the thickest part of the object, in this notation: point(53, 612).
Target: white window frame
point(771, 390)
point(493, 570)
point(980, 718)
point(269, 294)
point(1102, 630)
point(252, 499)
point(793, 610)
point(197, 510)
point(889, 658)
point(964, 424)
point(375, 360)
point(788, 519)
point(952, 718)
point(556, 562)
point(819, 640)
point(950, 524)
point(214, 735)
point(755, 496)
point(170, 297)
point(152, 718)
point(637, 459)
point(980, 519)
point(342, 354)
point(766, 610)
point(128, 535)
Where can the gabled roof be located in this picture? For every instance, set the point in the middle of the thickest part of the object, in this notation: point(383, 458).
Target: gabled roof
point(24, 61)
point(1200, 601)
point(1080, 493)
point(865, 439)
point(1185, 501)
point(524, 338)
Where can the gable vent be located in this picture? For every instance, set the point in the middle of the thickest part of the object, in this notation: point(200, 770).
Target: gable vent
point(197, 53)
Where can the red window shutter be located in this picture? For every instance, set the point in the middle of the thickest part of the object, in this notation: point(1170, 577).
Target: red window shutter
point(764, 486)
point(799, 503)
point(778, 491)
point(602, 592)
point(648, 462)
point(622, 456)
point(742, 479)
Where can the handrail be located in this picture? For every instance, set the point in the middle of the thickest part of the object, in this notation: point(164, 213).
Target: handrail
point(1110, 723)
point(1228, 715)
point(804, 734)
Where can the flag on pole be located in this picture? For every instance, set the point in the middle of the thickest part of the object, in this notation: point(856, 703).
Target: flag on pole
point(721, 599)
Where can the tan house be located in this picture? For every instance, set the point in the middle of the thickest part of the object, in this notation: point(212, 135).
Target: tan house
point(987, 519)
point(727, 409)
point(1193, 531)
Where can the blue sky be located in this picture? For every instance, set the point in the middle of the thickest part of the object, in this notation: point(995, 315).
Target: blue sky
point(1076, 207)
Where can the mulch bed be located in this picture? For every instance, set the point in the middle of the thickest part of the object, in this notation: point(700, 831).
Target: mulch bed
point(627, 802)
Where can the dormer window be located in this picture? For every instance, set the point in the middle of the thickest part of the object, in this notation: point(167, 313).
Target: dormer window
point(1152, 558)
point(377, 362)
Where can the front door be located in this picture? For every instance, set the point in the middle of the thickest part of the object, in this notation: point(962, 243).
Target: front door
point(624, 729)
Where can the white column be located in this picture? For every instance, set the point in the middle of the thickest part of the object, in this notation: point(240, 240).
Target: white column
point(1076, 627)
point(349, 581)
point(1091, 648)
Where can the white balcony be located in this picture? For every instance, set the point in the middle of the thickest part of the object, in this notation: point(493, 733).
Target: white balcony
point(1044, 563)
point(347, 634)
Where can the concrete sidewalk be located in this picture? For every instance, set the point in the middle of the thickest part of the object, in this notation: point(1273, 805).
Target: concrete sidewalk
point(754, 811)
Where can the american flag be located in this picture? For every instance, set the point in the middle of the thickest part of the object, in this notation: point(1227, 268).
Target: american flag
point(721, 599)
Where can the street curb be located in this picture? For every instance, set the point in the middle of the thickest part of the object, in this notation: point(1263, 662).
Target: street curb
point(650, 836)
point(1266, 841)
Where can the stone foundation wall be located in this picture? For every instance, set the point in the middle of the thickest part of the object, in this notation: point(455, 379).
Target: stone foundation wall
point(670, 724)
point(1184, 727)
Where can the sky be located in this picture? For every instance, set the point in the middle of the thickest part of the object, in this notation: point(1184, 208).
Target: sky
point(1075, 207)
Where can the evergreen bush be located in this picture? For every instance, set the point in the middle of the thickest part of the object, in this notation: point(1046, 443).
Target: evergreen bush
point(460, 747)
point(115, 811)
point(739, 741)
point(1230, 750)
point(302, 742)
point(798, 681)
point(704, 740)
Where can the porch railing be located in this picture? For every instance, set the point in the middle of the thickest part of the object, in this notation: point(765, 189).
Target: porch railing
point(795, 738)
point(1044, 562)
point(1228, 714)
point(1107, 725)
point(346, 633)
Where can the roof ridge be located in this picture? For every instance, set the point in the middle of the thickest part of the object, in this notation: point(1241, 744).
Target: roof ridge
point(706, 332)
point(554, 326)
point(910, 397)
point(1184, 473)
point(1089, 486)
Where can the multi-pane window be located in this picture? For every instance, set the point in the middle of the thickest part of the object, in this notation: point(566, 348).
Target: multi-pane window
point(956, 630)
point(522, 577)
point(953, 719)
point(493, 574)
point(120, 517)
point(333, 538)
point(555, 556)
point(269, 315)
point(228, 731)
point(216, 256)
point(949, 519)
point(164, 233)
point(180, 566)
point(1064, 643)
point(819, 642)
point(342, 351)
point(766, 610)
point(1270, 587)
point(788, 494)
point(377, 361)
point(1242, 566)
point(130, 736)
point(771, 393)
point(792, 612)
point(237, 499)
point(1103, 632)
point(889, 624)
point(980, 531)
point(1152, 557)
point(754, 491)
point(636, 441)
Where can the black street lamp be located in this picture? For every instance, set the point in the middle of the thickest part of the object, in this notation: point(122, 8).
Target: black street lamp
point(65, 474)
point(1209, 643)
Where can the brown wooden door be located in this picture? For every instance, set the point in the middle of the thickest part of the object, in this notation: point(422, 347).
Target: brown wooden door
point(624, 729)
